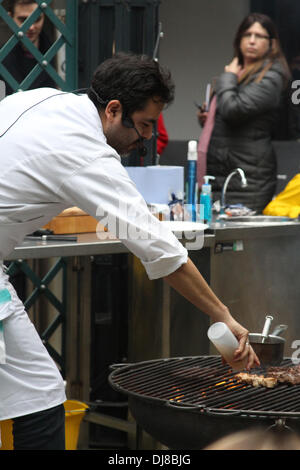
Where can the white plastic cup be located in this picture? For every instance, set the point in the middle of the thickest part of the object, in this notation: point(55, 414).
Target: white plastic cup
point(226, 343)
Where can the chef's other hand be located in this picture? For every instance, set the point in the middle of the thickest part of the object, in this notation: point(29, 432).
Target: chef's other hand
point(244, 350)
point(233, 67)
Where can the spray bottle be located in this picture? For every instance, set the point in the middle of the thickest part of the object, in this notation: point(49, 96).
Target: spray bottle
point(192, 173)
point(206, 200)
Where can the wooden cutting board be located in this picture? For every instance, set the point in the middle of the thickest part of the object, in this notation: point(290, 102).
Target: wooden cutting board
point(74, 220)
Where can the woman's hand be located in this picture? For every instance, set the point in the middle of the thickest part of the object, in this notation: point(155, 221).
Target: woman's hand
point(234, 66)
point(202, 115)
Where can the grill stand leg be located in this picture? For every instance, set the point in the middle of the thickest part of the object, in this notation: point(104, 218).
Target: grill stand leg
point(280, 426)
point(139, 437)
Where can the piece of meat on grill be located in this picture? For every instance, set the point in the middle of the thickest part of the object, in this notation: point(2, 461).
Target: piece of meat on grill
point(285, 374)
point(274, 375)
point(256, 380)
point(293, 369)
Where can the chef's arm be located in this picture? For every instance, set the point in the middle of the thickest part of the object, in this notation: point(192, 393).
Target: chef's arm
point(188, 282)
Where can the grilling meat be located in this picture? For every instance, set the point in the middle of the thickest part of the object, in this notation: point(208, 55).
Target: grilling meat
point(290, 375)
point(256, 380)
point(274, 376)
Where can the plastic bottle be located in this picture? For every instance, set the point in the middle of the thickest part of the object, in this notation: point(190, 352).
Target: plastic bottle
point(206, 200)
point(226, 343)
point(192, 174)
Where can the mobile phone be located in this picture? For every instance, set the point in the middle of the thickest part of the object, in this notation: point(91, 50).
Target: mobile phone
point(199, 107)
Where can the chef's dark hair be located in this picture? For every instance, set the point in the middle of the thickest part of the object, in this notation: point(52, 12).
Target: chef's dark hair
point(132, 79)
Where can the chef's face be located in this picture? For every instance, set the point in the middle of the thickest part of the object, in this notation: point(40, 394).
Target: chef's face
point(255, 43)
point(21, 13)
point(124, 139)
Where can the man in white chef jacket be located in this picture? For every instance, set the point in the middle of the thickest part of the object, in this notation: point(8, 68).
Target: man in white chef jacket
point(59, 150)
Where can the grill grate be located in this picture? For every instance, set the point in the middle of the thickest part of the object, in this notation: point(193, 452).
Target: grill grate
point(204, 383)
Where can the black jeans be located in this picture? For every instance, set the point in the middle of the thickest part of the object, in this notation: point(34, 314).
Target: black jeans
point(44, 430)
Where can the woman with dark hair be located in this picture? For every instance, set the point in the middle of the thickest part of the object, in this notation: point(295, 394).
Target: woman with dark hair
point(19, 62)
point(243, 110)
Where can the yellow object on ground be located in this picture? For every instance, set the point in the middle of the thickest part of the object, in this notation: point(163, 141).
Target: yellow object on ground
point(75, 411)
point(6, 435)
point(286, 203)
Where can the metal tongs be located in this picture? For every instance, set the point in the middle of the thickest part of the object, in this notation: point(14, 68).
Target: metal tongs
point(266, 328)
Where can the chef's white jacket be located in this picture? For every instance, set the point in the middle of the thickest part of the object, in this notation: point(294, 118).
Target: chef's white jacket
point(54, 155)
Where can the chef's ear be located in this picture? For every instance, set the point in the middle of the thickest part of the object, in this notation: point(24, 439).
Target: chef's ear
point(113, 110)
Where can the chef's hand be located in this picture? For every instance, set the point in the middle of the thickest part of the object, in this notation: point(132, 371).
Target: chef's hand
point(233, 67)
point(202, 115)
point(244, 350)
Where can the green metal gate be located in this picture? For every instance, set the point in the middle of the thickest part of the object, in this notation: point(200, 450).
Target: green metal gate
point(66, 36)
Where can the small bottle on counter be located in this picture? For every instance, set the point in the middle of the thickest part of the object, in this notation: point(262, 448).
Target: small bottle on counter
point(206, 200)
point(226, 343)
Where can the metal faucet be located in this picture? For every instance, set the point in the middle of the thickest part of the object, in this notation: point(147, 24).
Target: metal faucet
point(237, 171)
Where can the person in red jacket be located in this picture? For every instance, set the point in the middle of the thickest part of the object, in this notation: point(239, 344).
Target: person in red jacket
point(162, 135)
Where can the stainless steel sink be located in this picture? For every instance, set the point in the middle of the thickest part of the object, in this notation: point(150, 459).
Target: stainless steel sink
point(253, 220)
point(263, 219)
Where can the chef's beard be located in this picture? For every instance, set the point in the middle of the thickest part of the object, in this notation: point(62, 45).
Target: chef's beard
point(121, 140)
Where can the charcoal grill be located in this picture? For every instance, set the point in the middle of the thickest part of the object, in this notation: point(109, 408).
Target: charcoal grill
point(187, 403)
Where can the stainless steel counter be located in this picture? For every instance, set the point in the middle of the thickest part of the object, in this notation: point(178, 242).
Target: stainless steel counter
point(87, 244)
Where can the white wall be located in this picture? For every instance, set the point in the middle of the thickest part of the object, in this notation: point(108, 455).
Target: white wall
point(197, 44)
